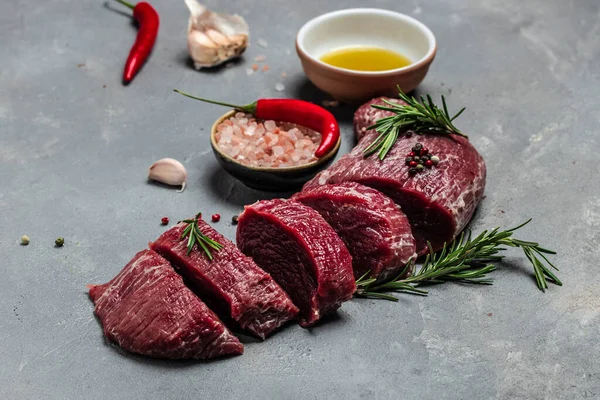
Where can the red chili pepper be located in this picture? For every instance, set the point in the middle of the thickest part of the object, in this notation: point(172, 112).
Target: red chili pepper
point(148, 20)
point(297, 112)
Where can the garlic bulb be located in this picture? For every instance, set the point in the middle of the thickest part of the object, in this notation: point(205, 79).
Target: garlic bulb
point(214, 38)
point(168, 171)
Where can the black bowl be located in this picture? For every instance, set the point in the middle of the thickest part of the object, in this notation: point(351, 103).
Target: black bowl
point(270, 179)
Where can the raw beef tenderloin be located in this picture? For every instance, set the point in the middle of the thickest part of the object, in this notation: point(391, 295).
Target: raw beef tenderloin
point(147, 309)
point(366, 116)
point(374, 229)
point(301, 251)
point(236, 286)
point(438, 202)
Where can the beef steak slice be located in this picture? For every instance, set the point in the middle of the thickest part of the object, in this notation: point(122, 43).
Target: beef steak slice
point(374, 229)
point(438, 202)
point(301, 251)
point(234, 283)
point(146, 309)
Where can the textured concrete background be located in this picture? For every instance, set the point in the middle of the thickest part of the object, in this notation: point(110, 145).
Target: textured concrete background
point(75, 146)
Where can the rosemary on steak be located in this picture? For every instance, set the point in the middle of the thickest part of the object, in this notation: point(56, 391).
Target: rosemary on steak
point(196, 237)
point(423, 117)
point(466, 260)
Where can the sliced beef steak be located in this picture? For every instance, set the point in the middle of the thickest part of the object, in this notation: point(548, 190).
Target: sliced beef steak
point(147, 309)
point(374, 229)
point(237, 286)
point(366, 116)
point(301, 251)
point(438, 202)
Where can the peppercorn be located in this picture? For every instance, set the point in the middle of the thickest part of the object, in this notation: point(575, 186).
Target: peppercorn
point(425, 157)
point(215, 218)
point(412, 171)
point(24, 240)
point(408, 160)
point(411, 154)
point(417, 147)
point(234, 220)
point(412, 164)
point(59, 242)
point(435, 160)
point(420, 167)
point(428, 163)
point(164, 220)
point(417, 158)
point(424, 151)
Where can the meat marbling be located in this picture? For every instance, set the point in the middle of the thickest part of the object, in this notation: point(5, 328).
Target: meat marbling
point(147, 309)
point(366, 116)
point(237, 286)
point(438, 202)
point(301, 251)
point(374, 229)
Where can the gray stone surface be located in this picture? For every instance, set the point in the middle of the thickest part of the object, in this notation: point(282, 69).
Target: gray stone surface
point(75, 145)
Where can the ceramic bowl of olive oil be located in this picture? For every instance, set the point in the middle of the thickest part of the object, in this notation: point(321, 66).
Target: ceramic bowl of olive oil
point(360, 53)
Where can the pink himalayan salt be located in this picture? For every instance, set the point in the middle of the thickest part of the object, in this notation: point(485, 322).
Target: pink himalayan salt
point(259, 143)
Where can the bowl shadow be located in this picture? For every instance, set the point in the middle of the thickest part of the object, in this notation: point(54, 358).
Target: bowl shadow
point(233, 191)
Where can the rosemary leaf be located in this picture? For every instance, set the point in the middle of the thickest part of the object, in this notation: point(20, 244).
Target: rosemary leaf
point(196, 237)
point(421, 117)
point(464, 260)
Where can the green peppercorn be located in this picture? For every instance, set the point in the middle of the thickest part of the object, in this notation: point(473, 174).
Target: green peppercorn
point(59, 242)
point(420, 167)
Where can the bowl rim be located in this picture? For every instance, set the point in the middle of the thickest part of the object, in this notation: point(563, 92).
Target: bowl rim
point(423, 61)
point(215, 146)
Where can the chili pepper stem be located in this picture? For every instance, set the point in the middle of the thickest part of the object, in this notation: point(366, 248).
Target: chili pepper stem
point(126, 4)
point(249, 108)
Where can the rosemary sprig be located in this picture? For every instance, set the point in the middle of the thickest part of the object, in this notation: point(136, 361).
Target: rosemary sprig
point(466, 260)
point(423, 117)
point(195, 236)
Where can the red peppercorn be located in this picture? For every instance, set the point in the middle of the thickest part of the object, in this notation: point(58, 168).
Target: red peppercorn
point(428, 163)
point(412, 164)
point(216, 218)
point(411, 154)
point(164, 220)
point(424, 151)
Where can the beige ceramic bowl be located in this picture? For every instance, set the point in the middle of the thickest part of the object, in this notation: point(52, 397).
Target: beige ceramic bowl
point(365, 27)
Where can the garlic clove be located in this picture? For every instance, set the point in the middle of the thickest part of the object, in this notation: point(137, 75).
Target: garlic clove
point(214, 38)
point(168, 171)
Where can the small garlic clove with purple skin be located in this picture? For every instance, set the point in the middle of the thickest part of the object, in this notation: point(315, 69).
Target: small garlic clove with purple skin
point(168, 171)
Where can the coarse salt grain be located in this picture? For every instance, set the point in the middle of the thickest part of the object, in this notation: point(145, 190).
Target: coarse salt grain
point(266, 143)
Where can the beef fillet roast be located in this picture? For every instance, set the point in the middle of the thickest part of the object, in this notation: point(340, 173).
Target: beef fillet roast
point(438, 202)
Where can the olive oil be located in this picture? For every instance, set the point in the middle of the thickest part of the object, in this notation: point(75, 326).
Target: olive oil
point(365, 59)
